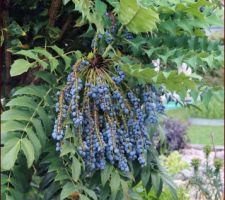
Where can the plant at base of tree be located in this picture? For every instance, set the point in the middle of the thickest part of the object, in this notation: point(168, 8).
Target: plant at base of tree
point(207, 181)
point(182, 194)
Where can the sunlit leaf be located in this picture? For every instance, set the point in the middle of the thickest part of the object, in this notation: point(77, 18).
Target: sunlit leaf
point(137, 19)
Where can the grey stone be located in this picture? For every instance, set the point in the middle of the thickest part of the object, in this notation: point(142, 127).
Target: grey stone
point(187, 173)
point(220, 155)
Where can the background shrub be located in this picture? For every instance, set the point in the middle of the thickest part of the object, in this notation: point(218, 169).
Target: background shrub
point(175, 136)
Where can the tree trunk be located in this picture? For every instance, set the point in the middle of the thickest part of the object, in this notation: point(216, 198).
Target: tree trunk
point(53, 11)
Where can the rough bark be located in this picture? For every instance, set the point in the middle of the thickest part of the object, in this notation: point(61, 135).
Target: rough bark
point(4, 15)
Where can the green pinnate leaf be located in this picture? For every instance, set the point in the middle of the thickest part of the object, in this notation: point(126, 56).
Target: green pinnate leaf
point(76, 169)
point(20, 66)
point(11, 126)
point(48, 77)
point(31, 55)
point(105, 174)
point(35, 142)
point(90, 193)
point(61, 53)
point(137, 19)
point(16, 114)
point(9, 157)
point(23, 101)
point(31, 90)
point(39, 131)
point(88, 13)
point(114, 183)
point(28, 150)
point(52, 61)
point(83, 197)
point(28, 102)
point(67, 148)
point(145, 175)
point(125, 189)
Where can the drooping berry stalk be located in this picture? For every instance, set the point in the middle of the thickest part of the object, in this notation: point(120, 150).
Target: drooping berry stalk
point(109, 119)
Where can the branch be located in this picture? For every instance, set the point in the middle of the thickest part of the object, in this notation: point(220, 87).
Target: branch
point(66, 25)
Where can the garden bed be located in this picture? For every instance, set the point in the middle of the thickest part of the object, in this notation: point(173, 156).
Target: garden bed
point(182, 178)
point(200, 147)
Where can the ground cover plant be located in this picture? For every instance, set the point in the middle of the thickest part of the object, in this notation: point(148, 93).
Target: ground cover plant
point(207, 183)
point(83, 81)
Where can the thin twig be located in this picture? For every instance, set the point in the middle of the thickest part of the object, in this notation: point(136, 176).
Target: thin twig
point(213, 143)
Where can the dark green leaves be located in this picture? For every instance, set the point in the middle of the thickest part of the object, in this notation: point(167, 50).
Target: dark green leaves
point(28, 150)
point(90, 193)
point(105, 174)
point(25, 125)
point(114, 183)
point(145, 175)
point(136, 18)
point(53, 62)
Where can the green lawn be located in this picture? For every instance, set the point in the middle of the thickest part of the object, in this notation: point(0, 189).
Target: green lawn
point(198, 134)
point(202, 134)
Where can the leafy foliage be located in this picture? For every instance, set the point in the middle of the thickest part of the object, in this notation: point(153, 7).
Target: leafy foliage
point(39, 57)
point(29, 154)
point(134, 17)
point(27, 127)
point(182, 194)
point(174, 163)
point(213, 109)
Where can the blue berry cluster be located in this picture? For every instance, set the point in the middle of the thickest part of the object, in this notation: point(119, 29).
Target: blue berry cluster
point(61, 108)
point(120, 77)
point(128, 35)
point(108, 118)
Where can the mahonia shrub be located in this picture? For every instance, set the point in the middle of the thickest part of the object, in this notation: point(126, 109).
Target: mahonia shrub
point(96, 142)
